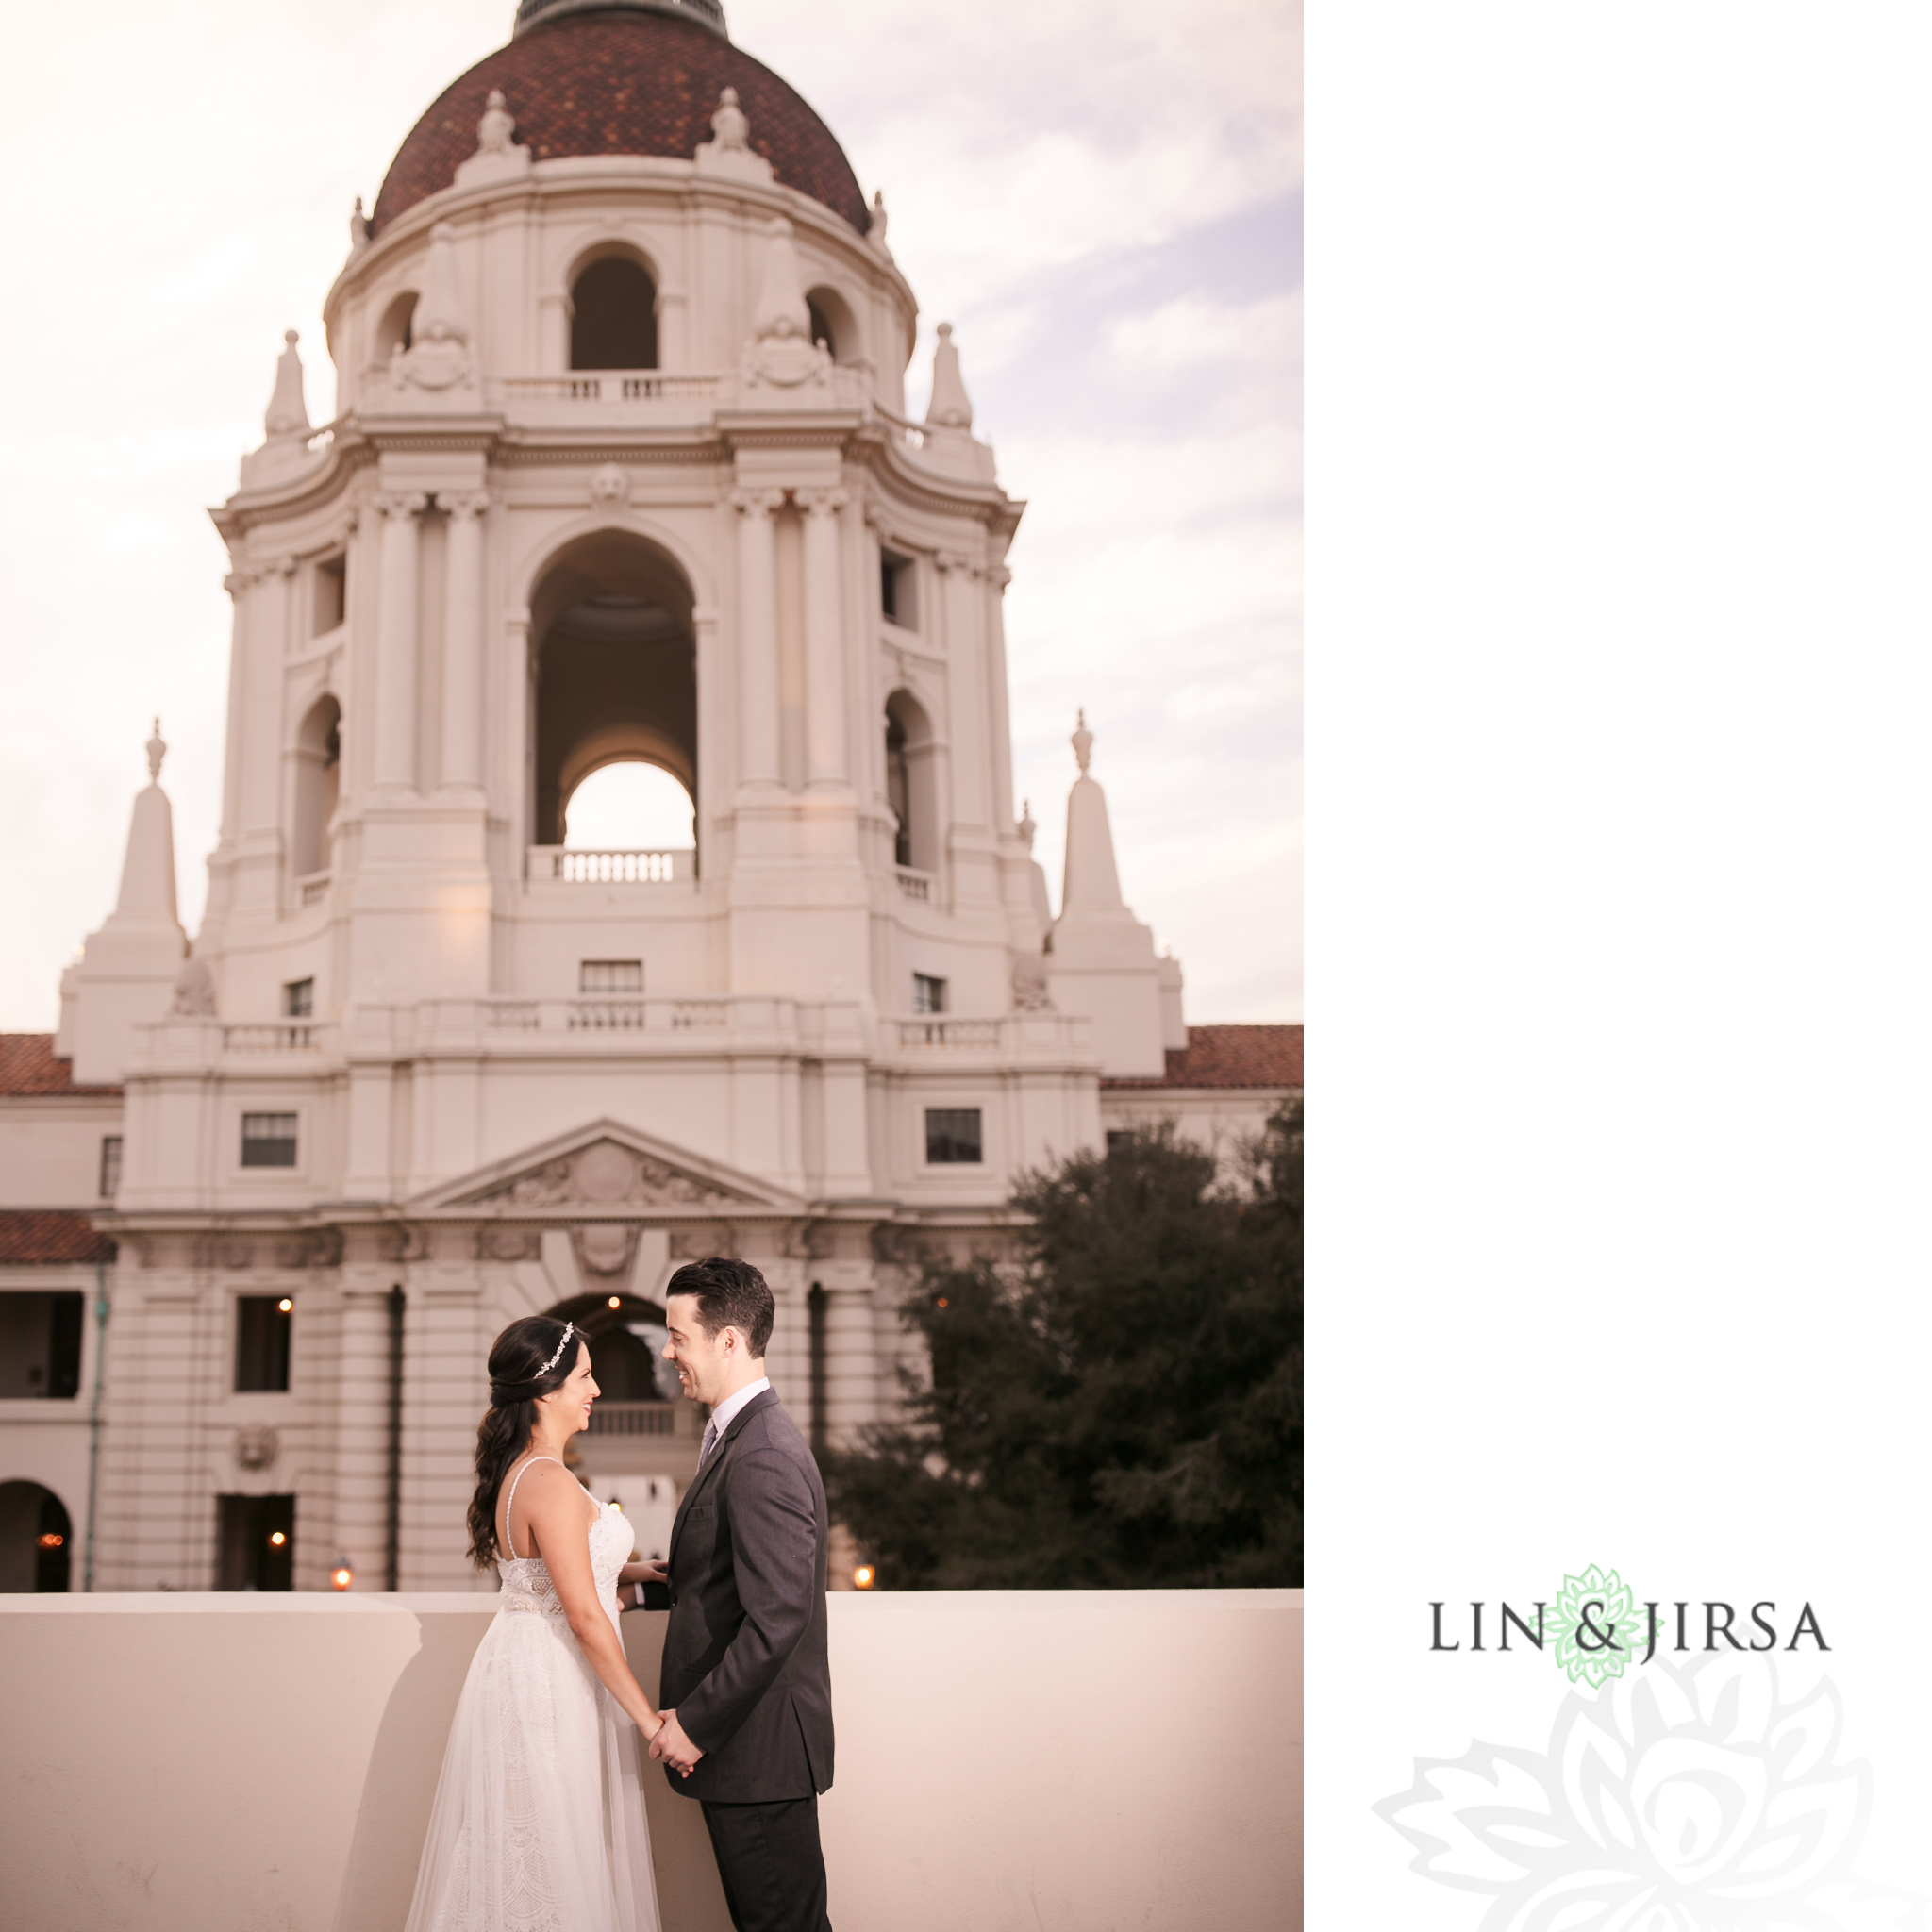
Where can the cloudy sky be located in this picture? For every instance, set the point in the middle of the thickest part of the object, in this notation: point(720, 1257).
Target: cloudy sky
point(1104, 200)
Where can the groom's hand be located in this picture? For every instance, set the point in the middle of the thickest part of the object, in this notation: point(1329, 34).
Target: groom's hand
point(671, 1747)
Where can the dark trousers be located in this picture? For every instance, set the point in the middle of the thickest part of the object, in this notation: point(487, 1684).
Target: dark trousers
point(769, 1860)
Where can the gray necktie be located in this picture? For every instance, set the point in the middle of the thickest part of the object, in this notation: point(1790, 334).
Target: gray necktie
point(709, 1442)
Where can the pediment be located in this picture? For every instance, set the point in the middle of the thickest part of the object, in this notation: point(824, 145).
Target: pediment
point(606, 1168)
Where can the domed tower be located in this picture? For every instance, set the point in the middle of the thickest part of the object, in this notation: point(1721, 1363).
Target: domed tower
point(619, 470)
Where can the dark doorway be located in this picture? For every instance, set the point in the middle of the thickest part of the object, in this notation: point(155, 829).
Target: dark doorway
point(613, 322)
point(256, 1544)
point(35, 1539)
point(263, 1322)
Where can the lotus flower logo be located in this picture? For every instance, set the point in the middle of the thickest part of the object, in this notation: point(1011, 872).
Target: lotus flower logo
point(1597, 1628)
point(1686, 1799)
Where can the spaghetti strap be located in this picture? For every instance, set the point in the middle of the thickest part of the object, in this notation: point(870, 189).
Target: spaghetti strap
point(510, 1535)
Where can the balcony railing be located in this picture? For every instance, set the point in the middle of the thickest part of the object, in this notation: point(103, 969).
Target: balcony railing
point(675, 1419)
point(612, 868)
point(914, 885)
point(939, 1032)
point(613, 385)
point(296, 1036)
point(626, 1015)
point(313, 889)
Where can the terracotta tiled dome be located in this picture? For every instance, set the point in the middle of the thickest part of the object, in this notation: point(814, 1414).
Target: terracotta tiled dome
point(620, 83)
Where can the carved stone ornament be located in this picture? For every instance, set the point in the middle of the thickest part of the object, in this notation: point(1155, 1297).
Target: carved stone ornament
point(497, 157)
point(194, 991)
point(610, 487)
point(1030, 988)
point(257, 1445)
point(511, 1244)
point(605, 1247)
point(607, 1175)
point(729, 151)
point(781, 353)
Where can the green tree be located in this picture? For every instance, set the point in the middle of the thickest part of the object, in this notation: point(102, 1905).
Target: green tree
point(1122, 1409)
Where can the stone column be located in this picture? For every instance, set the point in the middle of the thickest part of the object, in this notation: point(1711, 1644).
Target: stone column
point(824, 666)
point(757, 638)
point(850, 1364)
point(237, 584)
point(395, 641)
point(462, 641)
point(999, 723)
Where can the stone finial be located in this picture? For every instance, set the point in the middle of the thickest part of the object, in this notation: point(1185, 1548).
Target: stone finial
point(287, 414)
point(156, 749)
point(496, 126)
point(194, 991)
point(437, 359)
point(781, 351)
point(950, 407)
point(729, 127)
point(1083, 741)
point(358, 228)
point(876, 222)
point(1026, 827)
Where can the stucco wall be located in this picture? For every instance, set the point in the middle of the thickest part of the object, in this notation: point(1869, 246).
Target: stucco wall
point(231, 1763)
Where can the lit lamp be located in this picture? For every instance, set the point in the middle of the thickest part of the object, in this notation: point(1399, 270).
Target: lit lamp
point(864, 1577)
point(277, 1539)
point(342, 1574)
point(617, 1301)
point(286, 1305)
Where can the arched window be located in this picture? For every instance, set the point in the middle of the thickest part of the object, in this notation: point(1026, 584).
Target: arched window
point(318, 786)
point(629, 805)
point(396, 330)
point(613, 322)
point(832, 323)
point(616, 663)
point(910, 787)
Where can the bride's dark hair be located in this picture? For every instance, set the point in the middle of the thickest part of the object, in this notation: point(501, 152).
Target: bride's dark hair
point(517, 1378)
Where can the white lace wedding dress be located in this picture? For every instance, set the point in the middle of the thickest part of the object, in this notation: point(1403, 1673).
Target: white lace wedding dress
point(539, 1820)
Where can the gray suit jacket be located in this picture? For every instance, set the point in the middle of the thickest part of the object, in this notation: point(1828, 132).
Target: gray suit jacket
point(744, 1657)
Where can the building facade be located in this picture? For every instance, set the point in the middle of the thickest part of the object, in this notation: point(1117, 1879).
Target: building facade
point(619, 473)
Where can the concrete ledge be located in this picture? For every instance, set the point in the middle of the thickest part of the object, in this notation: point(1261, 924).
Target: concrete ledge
point(223, 1762)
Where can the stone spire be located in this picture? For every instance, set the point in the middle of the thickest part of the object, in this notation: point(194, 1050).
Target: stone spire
point(950, 407)
point(1102, 957)
point(287, 413)
point(126, 973)
point(1091, 884)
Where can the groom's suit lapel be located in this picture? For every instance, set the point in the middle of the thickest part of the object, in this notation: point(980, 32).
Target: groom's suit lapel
point(715, 1462)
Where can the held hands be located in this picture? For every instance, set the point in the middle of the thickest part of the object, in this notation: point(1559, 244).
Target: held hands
point(668, 1745)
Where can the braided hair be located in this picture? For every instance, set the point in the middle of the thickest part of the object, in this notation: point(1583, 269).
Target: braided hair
point(518, 1375)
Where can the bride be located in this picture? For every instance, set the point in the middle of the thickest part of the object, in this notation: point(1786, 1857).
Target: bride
point(539, 1820)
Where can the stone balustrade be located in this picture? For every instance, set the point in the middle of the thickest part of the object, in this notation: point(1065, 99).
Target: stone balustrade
point(222, 1763)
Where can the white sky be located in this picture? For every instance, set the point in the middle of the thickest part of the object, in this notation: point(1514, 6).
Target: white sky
point(1103, 199)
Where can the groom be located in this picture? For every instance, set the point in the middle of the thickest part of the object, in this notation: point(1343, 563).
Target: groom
point(745, 1689)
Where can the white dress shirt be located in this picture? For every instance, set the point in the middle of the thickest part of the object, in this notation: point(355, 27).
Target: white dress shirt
point(727, 1411)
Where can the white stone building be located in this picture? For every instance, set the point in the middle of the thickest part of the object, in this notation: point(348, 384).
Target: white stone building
point(619, 471)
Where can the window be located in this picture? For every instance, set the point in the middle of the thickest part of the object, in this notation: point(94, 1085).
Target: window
point(298, 999)
point(263, 1322)
point(610, 975)
point(110, 1166)
point(331, 593)
point(928, 994)
point(896, 591)
point(613, 322)
point(268, 1139)
point(952, 1134)
point(911, 789)
point(40, 1346)
point(255, 1542)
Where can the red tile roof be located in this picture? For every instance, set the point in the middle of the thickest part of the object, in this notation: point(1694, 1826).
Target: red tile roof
point(30, 1236)
point(29, 1068)
point(620, 84)
point(1228, 1056)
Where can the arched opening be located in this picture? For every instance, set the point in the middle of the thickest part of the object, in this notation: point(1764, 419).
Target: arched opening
point(616, 680)
point(613, 322)
point(35, 1539)
point(911, 788)
point(318, 786)
point(397, 328)
point(834, 325)
point(629, 805)
point(627, 1345)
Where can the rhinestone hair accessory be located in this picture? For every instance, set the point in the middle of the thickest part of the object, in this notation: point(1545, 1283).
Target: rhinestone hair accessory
point(569, 1329)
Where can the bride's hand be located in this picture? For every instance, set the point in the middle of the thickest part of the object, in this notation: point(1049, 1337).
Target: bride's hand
point(655, 1727)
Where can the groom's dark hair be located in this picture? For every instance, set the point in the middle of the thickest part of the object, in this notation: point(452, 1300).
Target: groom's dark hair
point(730, 1294)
